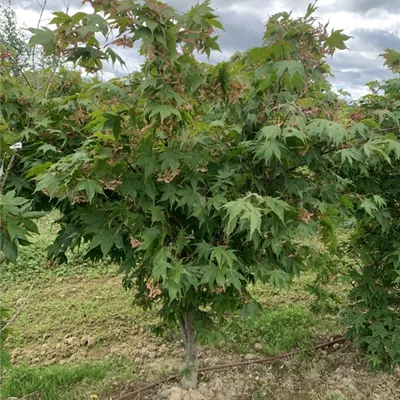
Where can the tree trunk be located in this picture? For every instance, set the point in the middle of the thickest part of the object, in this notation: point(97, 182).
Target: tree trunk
point(189, 376)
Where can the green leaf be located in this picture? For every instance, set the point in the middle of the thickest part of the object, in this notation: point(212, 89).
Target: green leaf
point(161, 264)
point(278, 207)
point(369, 206)
point(110, 53)
point(164, 111)
point(48, 147)
point(234, 278)
point(171, 43)
point(43, 37)
point(271, 132)
point(48, 181)
point(267, 146)
point(113, 122)
point(91, 187)
point(279, 278)
point(9, 248)
point(327, 130)
point(223, 256)
point(250, 310)
point(337, 39)
point(291, 67)
point(16, 231)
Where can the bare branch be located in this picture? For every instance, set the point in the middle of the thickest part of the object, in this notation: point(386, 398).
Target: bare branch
point(42, 7)
point(4, 180)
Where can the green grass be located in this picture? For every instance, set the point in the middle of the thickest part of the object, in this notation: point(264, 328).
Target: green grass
point(50, 382)
point(32, 263)
point(278, 329)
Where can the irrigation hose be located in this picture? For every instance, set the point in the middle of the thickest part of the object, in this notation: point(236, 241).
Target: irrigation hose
point(131, 395)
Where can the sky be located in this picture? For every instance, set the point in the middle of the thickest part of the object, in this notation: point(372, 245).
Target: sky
point(373, 24)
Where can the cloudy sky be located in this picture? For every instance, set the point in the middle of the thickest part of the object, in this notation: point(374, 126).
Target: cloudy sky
point(374, 25)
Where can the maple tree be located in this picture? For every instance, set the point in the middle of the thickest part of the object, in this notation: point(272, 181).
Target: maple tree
point(197, 179)
point(374, 313)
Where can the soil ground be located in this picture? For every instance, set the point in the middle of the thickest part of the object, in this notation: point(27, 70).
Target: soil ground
point(92, 320)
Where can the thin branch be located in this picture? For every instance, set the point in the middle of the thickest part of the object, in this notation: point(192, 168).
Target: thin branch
point(18, 312)
point(34, 48)
point(66, 5)
point(131, 166)
point(15, 62)
point(4, 180)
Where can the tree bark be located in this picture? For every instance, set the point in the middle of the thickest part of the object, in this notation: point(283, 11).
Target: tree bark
point(189, 376)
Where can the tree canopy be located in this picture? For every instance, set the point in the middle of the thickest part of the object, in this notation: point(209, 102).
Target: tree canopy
point(200, 179)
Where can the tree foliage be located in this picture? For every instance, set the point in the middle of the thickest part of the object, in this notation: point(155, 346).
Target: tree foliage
point(197, 179)
point(12, 39)
point(375, 313)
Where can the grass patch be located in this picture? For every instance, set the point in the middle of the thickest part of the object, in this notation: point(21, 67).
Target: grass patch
point(49, 383)
point(277, 329)
point(283, 328)
point(32, 263)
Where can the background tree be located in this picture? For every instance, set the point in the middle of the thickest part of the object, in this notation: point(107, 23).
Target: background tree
point(40, 121)
point(12, 40)
point(374, 315)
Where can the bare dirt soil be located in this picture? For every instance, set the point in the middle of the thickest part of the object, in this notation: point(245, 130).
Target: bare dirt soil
point(91, 319)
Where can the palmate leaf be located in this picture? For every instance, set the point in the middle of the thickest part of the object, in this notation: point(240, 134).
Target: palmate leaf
point(293, 132)
point(114, 57)
point(291, 67)
point(48, 147)
point(336, 40)
point(393, 144)
point(244, 211)
point(376, 147)
point(268, 146)
point(91, 187)
point(234, 278)
point(48, 181)
point(279, 278)
point(385, 115)
point(109, 88)
point(203, 250)
point(161, 263)
point(43, 37)
point(87, 54)
point(350, 155)
point(278, 207)
point(373, 206)
point(113, 122)
point(170, 160)
point(163, 110)
point(327, 130)
point(270, 149)
point(223, 256)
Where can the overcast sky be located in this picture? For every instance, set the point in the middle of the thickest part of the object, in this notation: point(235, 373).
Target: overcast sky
point(374, 25)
